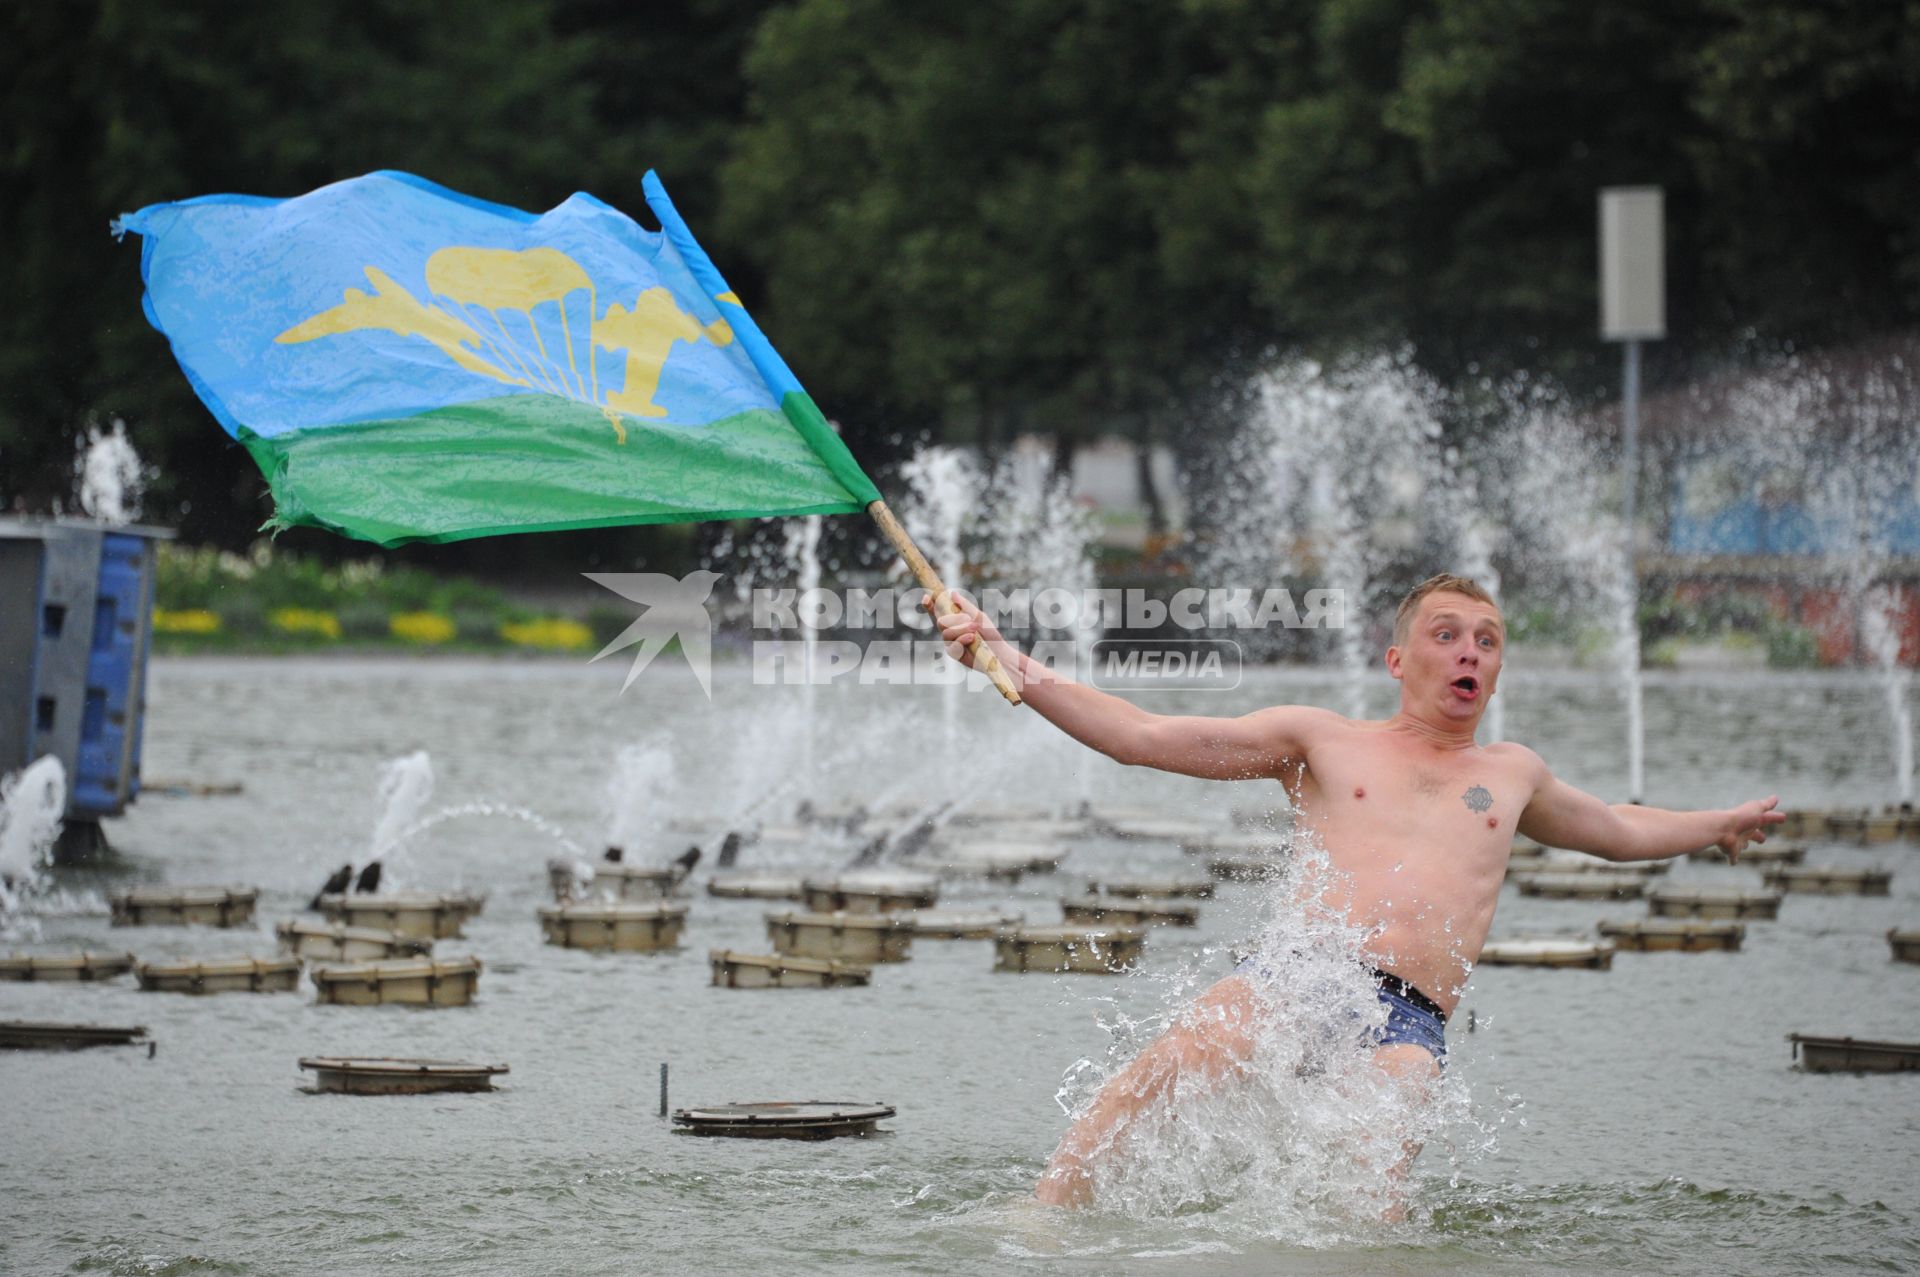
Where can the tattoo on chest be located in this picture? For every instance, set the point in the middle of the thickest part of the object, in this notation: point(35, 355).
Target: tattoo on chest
point(1477, 798)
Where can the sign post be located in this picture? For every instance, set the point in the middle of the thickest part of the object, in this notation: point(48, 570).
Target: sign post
point(1633, 309)
point(1633, 303)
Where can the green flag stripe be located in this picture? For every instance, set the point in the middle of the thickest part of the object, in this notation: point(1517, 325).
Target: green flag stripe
point(540, 463)
point(813, 426)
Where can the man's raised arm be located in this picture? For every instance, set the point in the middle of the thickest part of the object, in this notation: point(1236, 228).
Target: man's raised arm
point(1561, 816)
point(1252, 747)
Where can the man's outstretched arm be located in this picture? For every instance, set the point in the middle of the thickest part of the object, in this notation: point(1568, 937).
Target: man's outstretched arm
point(1251, 747)
point(1562, 816)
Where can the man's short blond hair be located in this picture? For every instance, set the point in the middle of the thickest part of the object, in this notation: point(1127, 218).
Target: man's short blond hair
point(1444, 582)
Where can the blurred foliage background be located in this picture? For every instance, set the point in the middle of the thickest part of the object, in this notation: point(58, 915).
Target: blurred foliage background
point(1064, 217)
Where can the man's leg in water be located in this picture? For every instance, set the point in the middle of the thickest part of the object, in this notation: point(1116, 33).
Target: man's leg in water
point(1415, 1068)
point(1212, 1039)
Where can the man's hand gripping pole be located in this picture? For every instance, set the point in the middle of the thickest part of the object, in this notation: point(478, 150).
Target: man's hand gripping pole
point(983, 657)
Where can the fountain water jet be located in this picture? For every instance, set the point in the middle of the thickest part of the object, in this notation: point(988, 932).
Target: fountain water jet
point(1561, 536)
point(1865, 494)
point(803, 559)
point(1883, 641)
point(109, 474)
point(1476, 563)
point(637, 790)
point(493, 811)
point(1340, 469)
point(943, 492)
point(1839, 443)
point(406, 786)
point(1037, 539)
point(31, 803)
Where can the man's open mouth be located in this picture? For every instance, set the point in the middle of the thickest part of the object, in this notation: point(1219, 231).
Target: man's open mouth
point(1467, 685)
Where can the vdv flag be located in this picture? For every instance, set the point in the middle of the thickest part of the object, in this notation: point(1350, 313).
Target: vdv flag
point(406, 363)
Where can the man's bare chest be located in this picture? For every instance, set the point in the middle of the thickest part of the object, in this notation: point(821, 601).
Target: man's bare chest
point(1464, 794)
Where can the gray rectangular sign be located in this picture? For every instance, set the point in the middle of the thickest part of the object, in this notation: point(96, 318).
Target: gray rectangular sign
point(1633, 264)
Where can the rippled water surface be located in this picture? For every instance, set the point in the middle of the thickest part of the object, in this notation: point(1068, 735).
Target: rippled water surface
point(1644, 1119)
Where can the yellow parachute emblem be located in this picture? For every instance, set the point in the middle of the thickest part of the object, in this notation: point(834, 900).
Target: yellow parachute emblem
point(476, 291)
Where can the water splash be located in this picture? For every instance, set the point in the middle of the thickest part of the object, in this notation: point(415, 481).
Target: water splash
point(1303, 1141)
point(110, 477)
point(32, 802)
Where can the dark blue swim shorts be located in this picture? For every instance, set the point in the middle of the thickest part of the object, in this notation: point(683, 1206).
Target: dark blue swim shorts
point(1412, 1016)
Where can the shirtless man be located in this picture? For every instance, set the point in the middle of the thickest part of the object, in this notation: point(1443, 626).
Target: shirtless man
point(1417, 821)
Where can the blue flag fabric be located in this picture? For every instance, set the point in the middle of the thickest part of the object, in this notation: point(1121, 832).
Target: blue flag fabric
point(408, 363)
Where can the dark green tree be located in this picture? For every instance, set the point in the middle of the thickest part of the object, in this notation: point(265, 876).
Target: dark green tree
point(1807, 166)
point(970, 213)
point(1438, 183)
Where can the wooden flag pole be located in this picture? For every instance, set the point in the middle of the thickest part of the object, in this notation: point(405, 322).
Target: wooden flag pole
point(983, 657)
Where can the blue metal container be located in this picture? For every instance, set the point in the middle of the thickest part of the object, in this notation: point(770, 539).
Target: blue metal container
point(76, 609)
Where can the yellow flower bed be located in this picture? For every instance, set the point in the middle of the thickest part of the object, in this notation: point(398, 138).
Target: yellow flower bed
point(421, 627)
point(305, 621)
point(554, 633)
point(187, 621)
